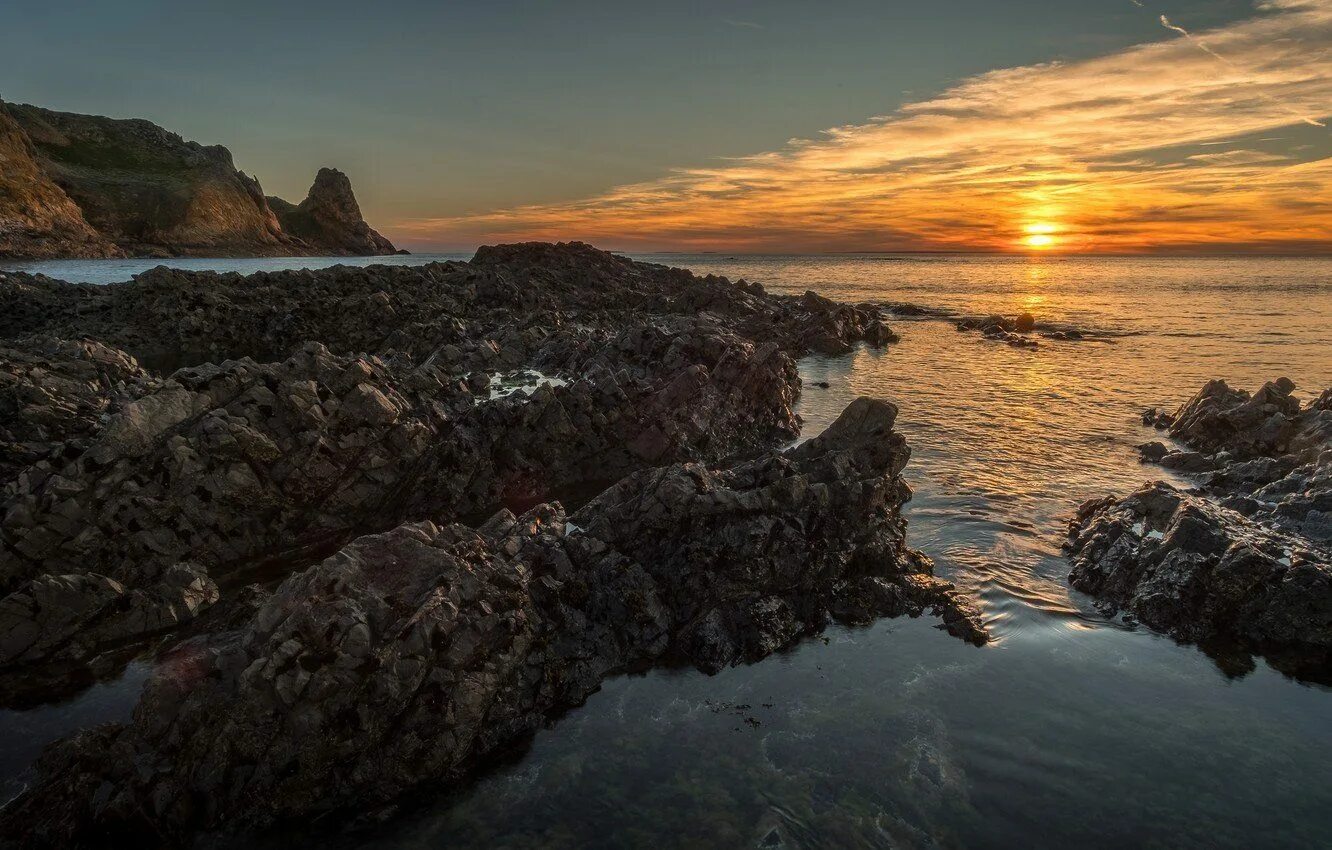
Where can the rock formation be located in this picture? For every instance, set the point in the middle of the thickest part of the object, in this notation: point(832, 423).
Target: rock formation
point(329, 219)
point(87, 186)
point(408, 656)
point(364, 544)
point(37, 219)
point(1244, 560)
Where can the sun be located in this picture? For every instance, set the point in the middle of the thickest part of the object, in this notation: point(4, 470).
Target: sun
point(1039, 235)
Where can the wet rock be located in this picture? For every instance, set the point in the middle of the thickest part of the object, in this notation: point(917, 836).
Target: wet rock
point(1158, 419)
point(1244, 559)
point(1025, 323)
point(1153, 452)
point(407, 657)
point(1187, 567)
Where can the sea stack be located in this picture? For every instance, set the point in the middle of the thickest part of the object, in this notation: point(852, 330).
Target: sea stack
point(329, 219)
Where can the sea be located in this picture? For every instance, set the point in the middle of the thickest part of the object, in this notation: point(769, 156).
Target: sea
point(1071, 729)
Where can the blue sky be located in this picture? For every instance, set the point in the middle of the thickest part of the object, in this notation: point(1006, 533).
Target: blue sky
point(445, 108)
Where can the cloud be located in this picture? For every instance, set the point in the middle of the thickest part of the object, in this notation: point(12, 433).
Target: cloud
point(748, 25)
point(1081, 146)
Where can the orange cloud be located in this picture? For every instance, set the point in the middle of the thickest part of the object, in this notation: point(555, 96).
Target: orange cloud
point(1126, 152)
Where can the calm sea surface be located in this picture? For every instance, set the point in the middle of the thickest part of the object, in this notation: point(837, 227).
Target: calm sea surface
point(1069, 730)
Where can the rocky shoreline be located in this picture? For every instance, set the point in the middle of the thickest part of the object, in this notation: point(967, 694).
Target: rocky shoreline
point(1242, 563)
point(365, 555)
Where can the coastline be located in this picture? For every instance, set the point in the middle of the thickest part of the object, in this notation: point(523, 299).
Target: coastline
point(353, 343)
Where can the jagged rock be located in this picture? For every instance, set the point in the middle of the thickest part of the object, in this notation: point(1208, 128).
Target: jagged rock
point(88, 186)
point(330, 219)
point(1220, 418)
point(1253, 569)
point(407, 657)
point(54, 391)
point(1185, 566)
point(240, 464)
point(73, 616)
point(513, 305)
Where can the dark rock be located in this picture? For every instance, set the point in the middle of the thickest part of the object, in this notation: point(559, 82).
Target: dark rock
point(1253, 570)
point(1201, 573)
point(1153, 452)
point(408, 657)
point(56, 394)
point(330, 219)
point(1025, 323)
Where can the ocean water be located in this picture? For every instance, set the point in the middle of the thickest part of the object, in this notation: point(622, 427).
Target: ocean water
point(1069, 729)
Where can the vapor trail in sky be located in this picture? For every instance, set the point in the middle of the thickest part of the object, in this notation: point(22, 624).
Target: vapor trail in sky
point(1165, 22)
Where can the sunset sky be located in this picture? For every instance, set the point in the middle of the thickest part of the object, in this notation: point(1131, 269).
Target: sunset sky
point(1082, 125)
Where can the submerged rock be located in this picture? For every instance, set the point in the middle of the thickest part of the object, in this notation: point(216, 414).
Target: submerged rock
point(408, 657)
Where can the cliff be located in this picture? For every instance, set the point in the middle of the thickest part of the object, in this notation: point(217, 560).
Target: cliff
point(37, 218)
point(89, 186)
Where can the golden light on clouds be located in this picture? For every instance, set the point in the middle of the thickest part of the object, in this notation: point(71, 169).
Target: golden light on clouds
point(1162, 146)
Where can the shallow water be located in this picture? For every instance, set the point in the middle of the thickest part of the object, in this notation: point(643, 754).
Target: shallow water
point(1069, 729)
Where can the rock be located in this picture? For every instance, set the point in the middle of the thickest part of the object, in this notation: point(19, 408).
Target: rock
point(1219, 417)
point(1187, 461)
point(37, 219)
point(513, 305)
point(1158, 419)
point(55, 396)
point(1025, 323)
point(1201, 573)
point(330, 219)
point(408, 657)
point(1245, 558)
point(1153, 452)
point(89, 186)
point(73, 616)
point(238, 465)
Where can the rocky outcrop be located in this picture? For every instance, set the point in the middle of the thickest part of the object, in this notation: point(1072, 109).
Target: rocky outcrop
point(329, 219)
point(499, 311)
point(408, 657)
point(238, 465)
point(85, 185)
point(325, 492)
point(55, 395)
point(37, 219)
point(1246, 558)
point(246, 468)
point(1183, 565)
